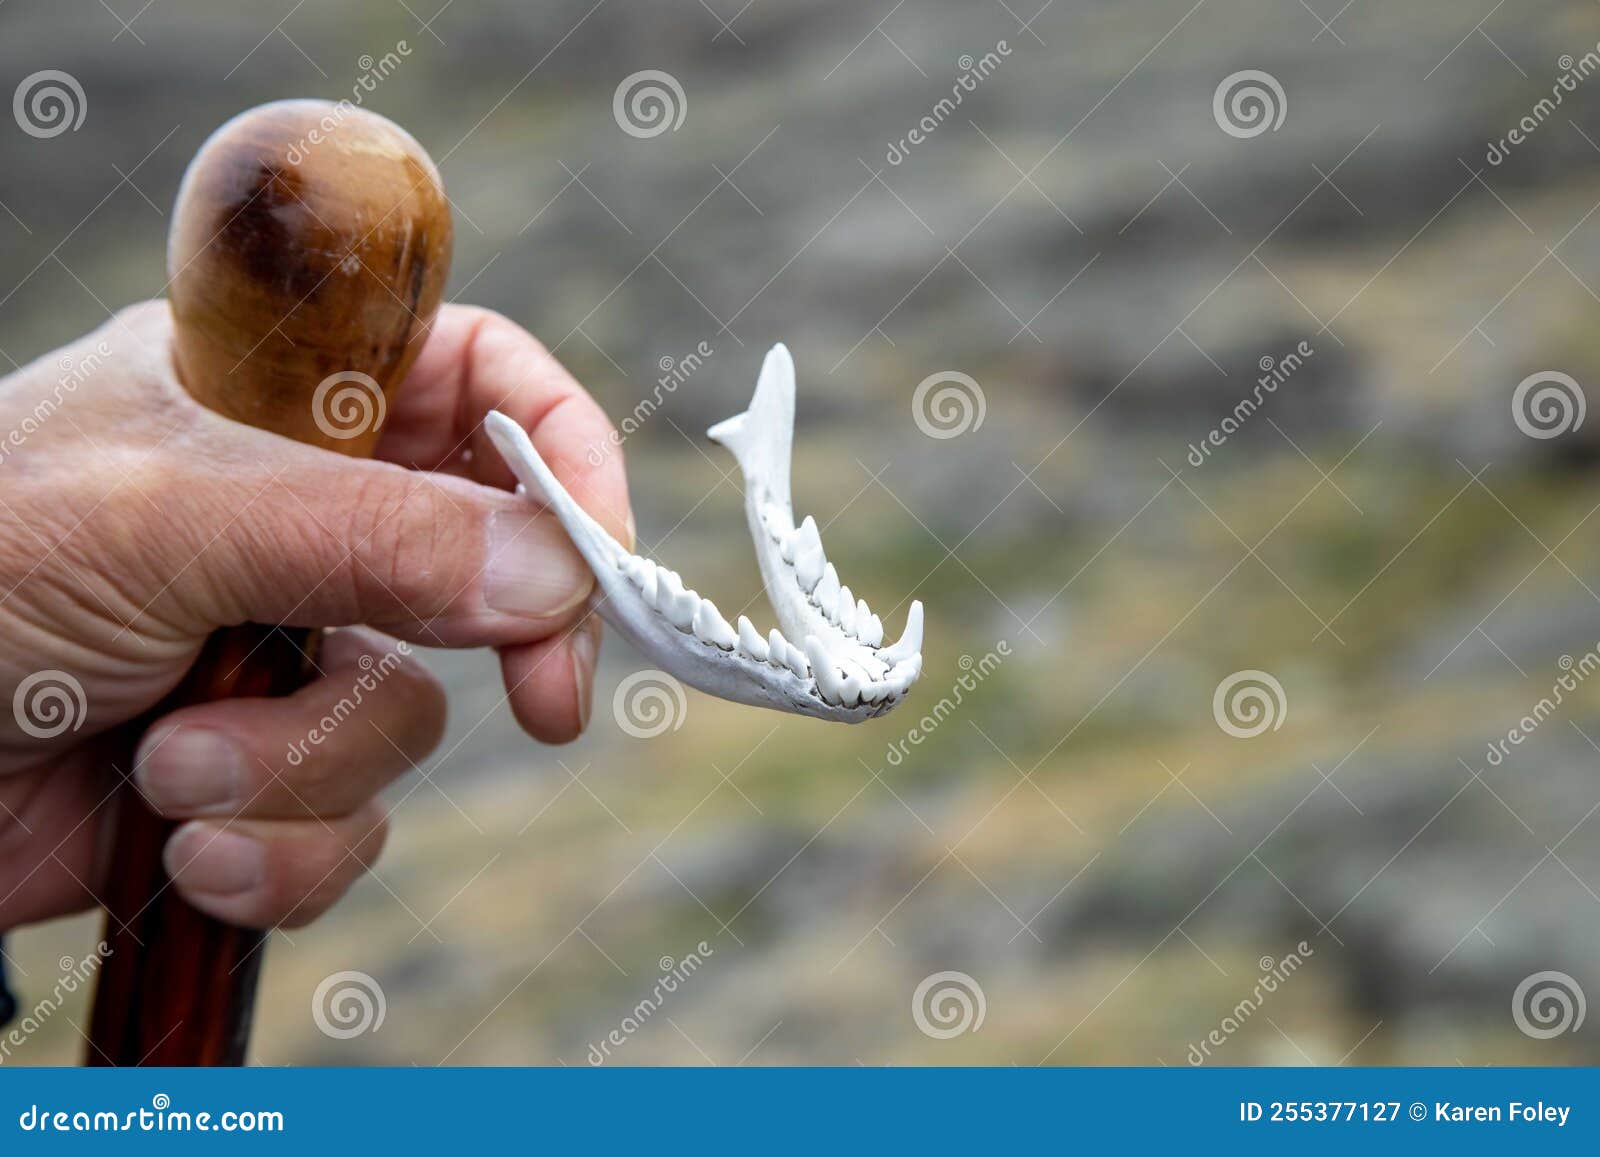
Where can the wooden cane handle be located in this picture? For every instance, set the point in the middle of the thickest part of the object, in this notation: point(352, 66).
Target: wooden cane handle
point(308, 253)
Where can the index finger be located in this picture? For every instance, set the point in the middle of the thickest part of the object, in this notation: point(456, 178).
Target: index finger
point(476, 360)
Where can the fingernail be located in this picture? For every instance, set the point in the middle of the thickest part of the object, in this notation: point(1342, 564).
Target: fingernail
point(183, 769)
point(585, 654)
point(528, 573)
point(215, 860)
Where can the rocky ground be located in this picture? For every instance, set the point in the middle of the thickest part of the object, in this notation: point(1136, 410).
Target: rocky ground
point(1079, 836)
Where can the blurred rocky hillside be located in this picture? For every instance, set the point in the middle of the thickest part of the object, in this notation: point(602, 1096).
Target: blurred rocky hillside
point(1113, 869)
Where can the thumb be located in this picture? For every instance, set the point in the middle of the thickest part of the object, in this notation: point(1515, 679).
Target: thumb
point(325, 540)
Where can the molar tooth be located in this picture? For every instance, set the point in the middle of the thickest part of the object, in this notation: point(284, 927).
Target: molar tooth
point(778, 521)
point(642, 574)
point(847, 611)
point(673, 601)
point(830, 683)
point(810, 537)
point(751, 643)
point(826, 594)
point(911, 640)
point(710, 626)
point(778, 648)
point(808, 564)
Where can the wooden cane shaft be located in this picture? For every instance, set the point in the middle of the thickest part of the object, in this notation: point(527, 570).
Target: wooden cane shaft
point(310, 241)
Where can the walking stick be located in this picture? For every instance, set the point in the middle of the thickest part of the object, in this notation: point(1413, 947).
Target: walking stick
point(308, 253)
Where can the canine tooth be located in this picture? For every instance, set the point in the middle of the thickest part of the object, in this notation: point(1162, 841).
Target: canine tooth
point(847, 611)
point(751, 643)
point(711, 627)
point(911, 640)
point(826, 594)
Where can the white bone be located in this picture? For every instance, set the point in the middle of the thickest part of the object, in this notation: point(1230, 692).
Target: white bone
point(750, 642)
point(840, 673)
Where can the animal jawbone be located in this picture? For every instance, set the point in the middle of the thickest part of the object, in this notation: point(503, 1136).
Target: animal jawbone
point(826, 658)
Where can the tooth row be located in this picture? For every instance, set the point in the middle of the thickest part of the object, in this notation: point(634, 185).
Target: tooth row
point(842, 681)
point(802, 549)
point(774, 649)
point(663, 589)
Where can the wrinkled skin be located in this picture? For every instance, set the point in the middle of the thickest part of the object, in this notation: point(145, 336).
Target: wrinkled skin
point(133, 523)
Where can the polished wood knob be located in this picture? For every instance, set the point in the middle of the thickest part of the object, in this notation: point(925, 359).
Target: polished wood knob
point(308, 253)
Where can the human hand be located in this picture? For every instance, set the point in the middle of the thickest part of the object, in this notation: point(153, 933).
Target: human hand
point(136, 523)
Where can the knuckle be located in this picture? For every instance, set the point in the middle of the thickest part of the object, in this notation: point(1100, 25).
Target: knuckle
point(402, 534)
